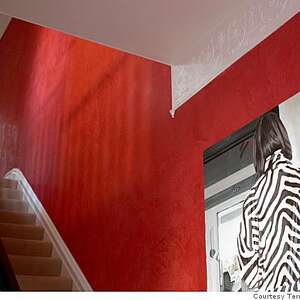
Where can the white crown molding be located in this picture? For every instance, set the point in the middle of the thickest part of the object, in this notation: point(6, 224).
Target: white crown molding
point(227, 43)
point(55, 238)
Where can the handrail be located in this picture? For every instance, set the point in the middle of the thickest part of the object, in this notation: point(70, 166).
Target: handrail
point(8, 281)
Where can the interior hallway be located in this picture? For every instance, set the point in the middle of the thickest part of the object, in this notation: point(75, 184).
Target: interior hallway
point(90, 128)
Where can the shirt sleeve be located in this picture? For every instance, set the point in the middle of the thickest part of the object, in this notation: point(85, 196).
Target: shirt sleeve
point(248, 243)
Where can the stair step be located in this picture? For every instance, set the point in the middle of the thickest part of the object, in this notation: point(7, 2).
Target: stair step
point(44, 283)
point(27, 247)
point(37, 266)
point(13, 205)
point(8, 193)
point(8, 183)
point(16, 217)
point(20, 231)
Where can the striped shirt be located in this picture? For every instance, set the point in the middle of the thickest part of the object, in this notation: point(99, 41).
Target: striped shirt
point(269, 239)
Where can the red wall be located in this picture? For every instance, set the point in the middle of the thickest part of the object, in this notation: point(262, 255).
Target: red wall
point(123, 182)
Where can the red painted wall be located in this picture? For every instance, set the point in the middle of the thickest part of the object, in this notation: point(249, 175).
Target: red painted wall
point(123, 181)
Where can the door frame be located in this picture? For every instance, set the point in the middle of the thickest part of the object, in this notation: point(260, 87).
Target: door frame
point(211, 222)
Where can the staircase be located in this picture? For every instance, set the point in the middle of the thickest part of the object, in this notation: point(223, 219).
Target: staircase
point(31, 255)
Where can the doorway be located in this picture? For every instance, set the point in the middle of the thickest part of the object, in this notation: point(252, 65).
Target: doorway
point(222, 229)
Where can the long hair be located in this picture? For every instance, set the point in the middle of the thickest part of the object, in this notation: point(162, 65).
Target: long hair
point(270, 135)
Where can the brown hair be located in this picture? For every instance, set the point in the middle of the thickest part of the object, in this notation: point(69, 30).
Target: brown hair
point(270, 136)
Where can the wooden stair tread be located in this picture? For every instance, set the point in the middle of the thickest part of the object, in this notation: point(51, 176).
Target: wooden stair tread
point(13, 205)
point(31, 265)
point(9, 193)
point(14, 217)
point(21, 231)
point(29, 255)
point(27, 247)
point(8, 183)
point(44, 283)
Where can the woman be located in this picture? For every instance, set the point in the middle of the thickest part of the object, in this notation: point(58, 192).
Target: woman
point(269, 238)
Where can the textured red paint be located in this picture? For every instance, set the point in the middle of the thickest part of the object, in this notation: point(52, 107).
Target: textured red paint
point(122, 181)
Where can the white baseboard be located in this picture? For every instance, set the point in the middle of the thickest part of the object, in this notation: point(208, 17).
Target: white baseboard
point(58, 243)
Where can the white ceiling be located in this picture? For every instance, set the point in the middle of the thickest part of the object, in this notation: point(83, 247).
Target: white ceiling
point(198, 38)
point(167, 31)
point(4, 21)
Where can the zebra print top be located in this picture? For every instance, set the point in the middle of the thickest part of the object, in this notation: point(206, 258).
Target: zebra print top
point(269, 239)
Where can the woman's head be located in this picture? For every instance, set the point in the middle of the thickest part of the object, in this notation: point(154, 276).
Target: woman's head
point(270, 136)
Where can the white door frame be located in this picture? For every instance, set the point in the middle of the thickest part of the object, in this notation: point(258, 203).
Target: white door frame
point(211, 223)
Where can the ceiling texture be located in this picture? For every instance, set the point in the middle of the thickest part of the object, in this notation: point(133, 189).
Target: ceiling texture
point(199, 39)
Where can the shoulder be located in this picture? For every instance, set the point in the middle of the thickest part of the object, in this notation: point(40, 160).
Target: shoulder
point(287, 167)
